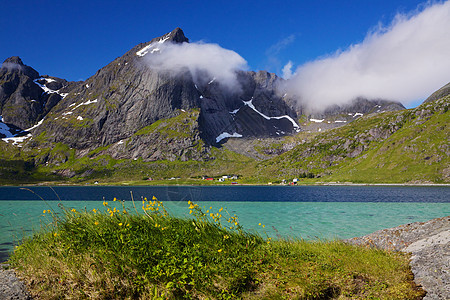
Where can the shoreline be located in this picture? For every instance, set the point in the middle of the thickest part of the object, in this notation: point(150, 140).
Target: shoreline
point(427, 243)
point(230, 185)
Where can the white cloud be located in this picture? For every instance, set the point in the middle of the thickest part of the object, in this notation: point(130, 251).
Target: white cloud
point(287, 70)
point(198, 58)
point(405, 61)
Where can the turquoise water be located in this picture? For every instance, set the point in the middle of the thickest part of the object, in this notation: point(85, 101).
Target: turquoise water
point(309, 218)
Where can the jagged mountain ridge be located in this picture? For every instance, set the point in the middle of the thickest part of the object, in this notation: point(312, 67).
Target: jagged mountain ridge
point(126, 97)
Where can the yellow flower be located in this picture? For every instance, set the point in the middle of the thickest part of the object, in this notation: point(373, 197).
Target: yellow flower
point(55, 234)
point(105, 203)
point(220, 209)
point(44, 211)
point(210, 207)
point(120, 224)
point(264, 226)
point(95, 223)
point(259, 224)
point(94, 210)
point(114, 199)
point(220, 250)
point(190, 212)
point(211, 214)
point(154, 198)
point(73, 210)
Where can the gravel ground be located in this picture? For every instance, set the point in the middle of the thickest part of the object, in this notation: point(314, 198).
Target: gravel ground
point(428, 242)
point(11, 288)
point(429, 245)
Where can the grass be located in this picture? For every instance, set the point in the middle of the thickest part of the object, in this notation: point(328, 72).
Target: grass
point(121, 252)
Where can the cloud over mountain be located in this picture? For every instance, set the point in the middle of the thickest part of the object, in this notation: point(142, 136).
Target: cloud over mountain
point(404, 61)
point(199, 58)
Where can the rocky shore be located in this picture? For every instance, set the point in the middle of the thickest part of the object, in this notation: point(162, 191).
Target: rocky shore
point(429, 245)
point(428, 242)
point(11, 288)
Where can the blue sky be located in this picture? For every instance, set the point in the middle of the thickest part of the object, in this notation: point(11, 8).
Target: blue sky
point(73, 39)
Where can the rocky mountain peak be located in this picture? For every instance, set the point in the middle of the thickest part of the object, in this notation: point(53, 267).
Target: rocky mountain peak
point(13, 60)
point(15, 64)
point(177, 36)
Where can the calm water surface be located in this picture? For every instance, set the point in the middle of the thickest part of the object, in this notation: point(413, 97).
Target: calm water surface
point(299, 212)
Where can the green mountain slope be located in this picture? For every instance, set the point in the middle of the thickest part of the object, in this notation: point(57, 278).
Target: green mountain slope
point(404, 146)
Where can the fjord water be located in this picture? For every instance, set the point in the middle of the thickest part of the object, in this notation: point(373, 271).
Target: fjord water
point(308, 212)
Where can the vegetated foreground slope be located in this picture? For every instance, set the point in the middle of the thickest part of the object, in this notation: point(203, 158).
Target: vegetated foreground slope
point(404, 146)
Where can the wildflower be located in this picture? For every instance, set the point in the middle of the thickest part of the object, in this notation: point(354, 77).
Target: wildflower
point(115, 199)
point(220, 209)
point(73, 210)
point(259, 224)
point(94, 210)
point(120, 224)
point(190, 212)
point(264, 226)
point(154, 198)
point(55, 234)
point(220, 250)
point(105, 203)
point(95, 223)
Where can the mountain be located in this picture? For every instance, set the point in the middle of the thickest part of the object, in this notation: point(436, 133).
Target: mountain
point(338, 115)
point(25, 96)
point(410, 146)
point(126, 96)
point(130, 120)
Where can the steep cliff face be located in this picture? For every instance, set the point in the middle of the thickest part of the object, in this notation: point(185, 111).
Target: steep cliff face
point(118, 100)
point(255, 110)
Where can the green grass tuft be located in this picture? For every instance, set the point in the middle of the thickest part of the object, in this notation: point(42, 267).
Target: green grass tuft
point(121, 252)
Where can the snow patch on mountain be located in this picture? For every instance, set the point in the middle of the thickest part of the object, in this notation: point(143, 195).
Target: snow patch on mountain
point(250, 104)
point(17, 138)
point(152, 47)
point(225, 135)
point(46, 89)
point(317, 120)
